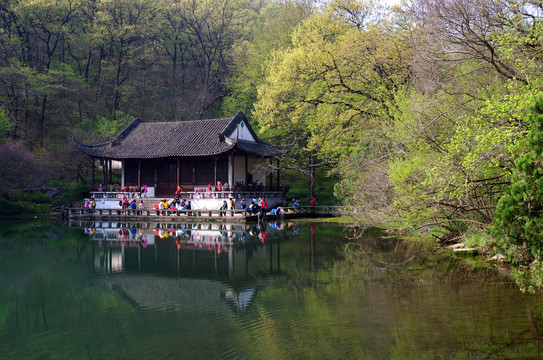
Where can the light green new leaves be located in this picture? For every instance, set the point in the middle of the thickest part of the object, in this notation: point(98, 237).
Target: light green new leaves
point(336, 83)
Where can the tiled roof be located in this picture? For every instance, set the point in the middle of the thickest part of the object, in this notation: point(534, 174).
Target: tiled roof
point(198, 138)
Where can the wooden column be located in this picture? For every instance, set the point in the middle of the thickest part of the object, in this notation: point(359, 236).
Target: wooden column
point(104, 170)
point(215, 181)
point(231, 169)
point(92, 160)
point(178, 172)
point(278, 176)
point(139, 173)
point(271, 174)
point(122, 173)
point(246, 170)
point(110, 170)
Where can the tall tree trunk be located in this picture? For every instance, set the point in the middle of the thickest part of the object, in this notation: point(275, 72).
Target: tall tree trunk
point(116, 94)
point(311, 184)
point(15, 118)
point(42, 121)
point(87, 66)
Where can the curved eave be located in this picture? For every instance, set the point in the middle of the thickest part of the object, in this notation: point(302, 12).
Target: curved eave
point(263, 149)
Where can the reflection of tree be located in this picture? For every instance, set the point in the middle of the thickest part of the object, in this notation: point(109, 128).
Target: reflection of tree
point(396, 260)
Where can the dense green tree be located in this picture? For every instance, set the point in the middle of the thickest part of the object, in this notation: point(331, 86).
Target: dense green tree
point(461, 122)
point(518, 222)
point(271, 28)
point(123, 26)
point(335, 89)
point(5, 125)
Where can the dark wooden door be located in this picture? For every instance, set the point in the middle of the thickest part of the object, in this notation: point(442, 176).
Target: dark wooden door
point(166, 178)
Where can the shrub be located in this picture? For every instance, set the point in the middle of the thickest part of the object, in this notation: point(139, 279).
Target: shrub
point(74, 192)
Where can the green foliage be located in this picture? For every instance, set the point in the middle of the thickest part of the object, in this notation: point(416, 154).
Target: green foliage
point(37, 197)
point(271, 31)
point(518, 220)
point(73, 192)
point(334, 88)
point(20, 207)
point(336, 83)
point(450, 170)
point(106, 128)
point(297, 185)
point(5, 125)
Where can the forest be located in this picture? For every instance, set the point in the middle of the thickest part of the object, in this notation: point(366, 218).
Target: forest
point(428, 114)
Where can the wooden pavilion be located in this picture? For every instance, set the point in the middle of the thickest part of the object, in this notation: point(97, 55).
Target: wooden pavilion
point(191, 154)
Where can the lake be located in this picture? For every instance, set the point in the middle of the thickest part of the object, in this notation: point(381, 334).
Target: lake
point(257, 291)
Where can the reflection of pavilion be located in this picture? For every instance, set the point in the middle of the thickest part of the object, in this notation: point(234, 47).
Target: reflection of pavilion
point(225, 260)
point(145, 291)
point(225, 251)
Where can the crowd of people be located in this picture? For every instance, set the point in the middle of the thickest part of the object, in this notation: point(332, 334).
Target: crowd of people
point(256, 206)
point(90, 204)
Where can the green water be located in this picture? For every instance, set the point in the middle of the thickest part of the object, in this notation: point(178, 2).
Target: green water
point(275, 291)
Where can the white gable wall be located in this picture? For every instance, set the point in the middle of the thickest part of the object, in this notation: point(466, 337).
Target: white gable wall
point(244, 133)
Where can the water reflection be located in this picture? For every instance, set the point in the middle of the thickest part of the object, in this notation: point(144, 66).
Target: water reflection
point(148, 291)
point(221, 265)
point(230, 251)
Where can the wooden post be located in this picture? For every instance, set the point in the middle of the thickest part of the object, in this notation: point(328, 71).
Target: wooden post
point(180, 172)
point(122, 173)
point(278, 176)
point(246, 170)
point(231, 169)
point(104, 170)
point(139, 172)
point(271, 174)
point(215, 181)
point(92, 160)
point(110, 165)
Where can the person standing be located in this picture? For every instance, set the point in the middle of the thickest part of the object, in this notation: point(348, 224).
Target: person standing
point(141, 207)
point(143, 191)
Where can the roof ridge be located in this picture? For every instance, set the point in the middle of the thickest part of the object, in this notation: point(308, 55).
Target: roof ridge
point(126, 131)
point(186, 121)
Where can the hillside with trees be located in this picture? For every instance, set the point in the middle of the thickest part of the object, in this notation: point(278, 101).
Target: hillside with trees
point(426, 113)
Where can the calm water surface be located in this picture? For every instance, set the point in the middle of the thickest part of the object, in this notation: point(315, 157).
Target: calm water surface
point(271, 291)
